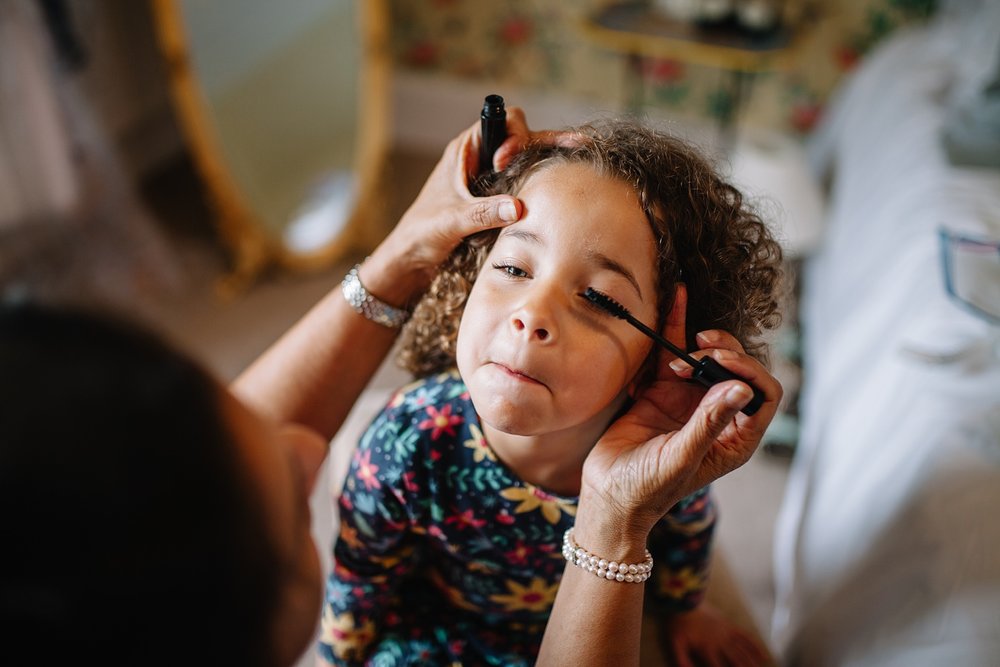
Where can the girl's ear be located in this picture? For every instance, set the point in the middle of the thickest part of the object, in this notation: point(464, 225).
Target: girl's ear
point(675, 328)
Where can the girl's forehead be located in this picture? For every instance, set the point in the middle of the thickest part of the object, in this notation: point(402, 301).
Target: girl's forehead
point(580, 180)
point(573, 208)
point(563, 165)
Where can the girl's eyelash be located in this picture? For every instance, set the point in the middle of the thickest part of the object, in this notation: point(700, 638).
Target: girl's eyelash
point(590, 304)
point(511, 270)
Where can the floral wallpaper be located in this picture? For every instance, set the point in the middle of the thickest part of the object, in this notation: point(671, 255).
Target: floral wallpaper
point(540, 44)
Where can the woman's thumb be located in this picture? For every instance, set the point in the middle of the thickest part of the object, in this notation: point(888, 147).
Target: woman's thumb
point(715, 413)
point(489, 212)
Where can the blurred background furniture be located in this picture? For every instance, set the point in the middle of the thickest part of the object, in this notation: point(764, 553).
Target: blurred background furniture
point(641, 30)
point(888, 540)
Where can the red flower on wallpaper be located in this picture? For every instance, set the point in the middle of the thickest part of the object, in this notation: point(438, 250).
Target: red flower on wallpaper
point(422, 54)
point(661, 70)
point(515, 31)
point(846, 57)
point(804, 116)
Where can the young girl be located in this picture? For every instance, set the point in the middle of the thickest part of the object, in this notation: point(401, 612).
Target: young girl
point(457, 501)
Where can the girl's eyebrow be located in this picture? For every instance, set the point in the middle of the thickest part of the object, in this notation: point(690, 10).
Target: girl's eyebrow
point(522, 234)
point(598, 258)
point(609, 264)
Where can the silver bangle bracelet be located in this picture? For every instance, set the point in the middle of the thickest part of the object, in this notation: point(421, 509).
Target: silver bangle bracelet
point(369, 306)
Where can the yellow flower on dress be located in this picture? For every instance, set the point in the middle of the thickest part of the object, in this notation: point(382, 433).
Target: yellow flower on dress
point(454, 595)
point(348, 640)
point(477, 443)
point(678, 584)
point(349, 535)
point(391, 560)
point(533, 498)
point(536, 597)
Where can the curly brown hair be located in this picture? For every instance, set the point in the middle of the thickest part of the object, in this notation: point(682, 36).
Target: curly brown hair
point(708, 238)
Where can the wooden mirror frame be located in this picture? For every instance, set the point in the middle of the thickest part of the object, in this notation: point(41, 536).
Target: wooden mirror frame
point(252, 248)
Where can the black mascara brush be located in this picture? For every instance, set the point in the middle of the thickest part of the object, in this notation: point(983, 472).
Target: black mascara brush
point(707, 371)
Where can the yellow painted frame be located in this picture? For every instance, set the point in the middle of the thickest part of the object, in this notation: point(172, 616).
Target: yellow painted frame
point(253, 249)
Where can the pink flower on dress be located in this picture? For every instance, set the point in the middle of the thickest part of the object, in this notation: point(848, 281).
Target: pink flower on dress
point(367, 470)
point(465, 520)
point(441, 421)
point(408, 482)
point(519, 554)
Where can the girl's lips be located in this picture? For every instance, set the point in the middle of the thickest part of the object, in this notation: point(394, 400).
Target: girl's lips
point(516, 374)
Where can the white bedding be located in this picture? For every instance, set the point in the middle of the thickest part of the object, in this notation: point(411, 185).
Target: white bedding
point(888, 546)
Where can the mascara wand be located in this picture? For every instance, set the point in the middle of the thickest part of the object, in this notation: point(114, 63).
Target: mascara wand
point(707, 371)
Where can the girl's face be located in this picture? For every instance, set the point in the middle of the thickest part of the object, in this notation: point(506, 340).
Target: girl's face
point(536, 356)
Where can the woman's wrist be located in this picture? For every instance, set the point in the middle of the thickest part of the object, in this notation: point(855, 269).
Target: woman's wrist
point(607, 531)
point(394, 278)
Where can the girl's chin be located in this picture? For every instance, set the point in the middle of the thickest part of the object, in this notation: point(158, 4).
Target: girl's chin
point(510, 417)
point(511, 424)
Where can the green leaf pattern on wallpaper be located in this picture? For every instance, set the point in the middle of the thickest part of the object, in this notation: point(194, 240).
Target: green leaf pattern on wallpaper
point(538, 44)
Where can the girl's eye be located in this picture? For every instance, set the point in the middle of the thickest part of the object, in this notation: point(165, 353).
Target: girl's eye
point(593, 306)
point(511, 270)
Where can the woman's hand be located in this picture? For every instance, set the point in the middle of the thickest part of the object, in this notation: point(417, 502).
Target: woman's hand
point(676, 438)
point(704, 636)
point(445, 212)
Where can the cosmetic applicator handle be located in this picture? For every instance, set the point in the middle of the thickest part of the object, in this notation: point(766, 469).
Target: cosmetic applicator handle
point(706, 371)
point(709, 372)
point(493, 123)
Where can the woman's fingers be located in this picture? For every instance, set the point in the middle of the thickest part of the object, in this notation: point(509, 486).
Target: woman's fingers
point(725, 349)
point(519, 136)
point(713, 415)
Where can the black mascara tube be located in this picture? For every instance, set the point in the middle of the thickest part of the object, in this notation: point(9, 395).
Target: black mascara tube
point(493, 121)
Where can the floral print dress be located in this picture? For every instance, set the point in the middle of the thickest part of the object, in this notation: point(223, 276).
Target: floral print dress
point(444, 556)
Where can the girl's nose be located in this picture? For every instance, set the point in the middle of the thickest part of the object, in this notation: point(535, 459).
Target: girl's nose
point(535, 320)
point(538, 333)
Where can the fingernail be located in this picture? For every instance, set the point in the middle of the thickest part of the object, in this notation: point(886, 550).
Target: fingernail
point(508, 211)
point(677, 365)
point(702, 336)
point(738, 396)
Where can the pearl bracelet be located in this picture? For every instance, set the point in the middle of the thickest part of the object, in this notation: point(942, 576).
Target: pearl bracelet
point(626, 572)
